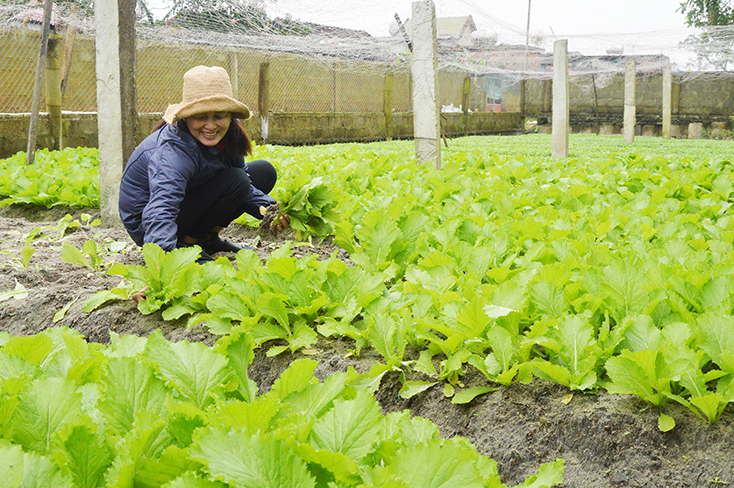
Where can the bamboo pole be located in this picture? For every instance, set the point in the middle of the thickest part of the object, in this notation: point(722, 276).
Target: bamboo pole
point(465, 99)
point(52, 74)
point(38, 83)
point(263, 100)
point(68, 49)
point(387, 94)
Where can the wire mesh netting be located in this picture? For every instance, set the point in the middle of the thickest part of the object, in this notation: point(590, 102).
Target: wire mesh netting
point(319, 68)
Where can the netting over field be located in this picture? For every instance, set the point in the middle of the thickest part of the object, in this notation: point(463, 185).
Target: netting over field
point(315, 67)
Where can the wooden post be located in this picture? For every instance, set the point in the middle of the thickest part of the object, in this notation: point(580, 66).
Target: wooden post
point(38, 82)
point(596, 103)
point(52, 70)
point(630, 120)
point(465, 99)
point(128, 70)
point(523, 96)
point(667, 100)
point(387, 91)
point(333, 88)
point(561, 111)
point(233, 70)
point(68, 51)
point(426, 111)
point(263, 100)
point(547, 95)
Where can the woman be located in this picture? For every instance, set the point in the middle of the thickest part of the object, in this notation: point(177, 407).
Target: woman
point(188, 180)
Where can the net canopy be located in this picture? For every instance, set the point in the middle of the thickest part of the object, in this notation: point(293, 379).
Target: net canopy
point(371, 39)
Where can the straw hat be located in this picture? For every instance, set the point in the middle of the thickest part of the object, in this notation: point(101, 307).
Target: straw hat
point(206, 89)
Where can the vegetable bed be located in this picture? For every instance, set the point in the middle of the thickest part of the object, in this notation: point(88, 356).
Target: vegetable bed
point(577, 309)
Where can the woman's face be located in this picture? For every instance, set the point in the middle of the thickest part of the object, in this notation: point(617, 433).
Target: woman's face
point(209, 128)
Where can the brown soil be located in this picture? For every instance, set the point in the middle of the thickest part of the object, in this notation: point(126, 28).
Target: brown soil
point(606, 440)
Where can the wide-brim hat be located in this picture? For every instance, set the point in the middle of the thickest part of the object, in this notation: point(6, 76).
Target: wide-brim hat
point(206, 89)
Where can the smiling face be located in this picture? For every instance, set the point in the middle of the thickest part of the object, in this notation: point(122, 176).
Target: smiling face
point(209, 128)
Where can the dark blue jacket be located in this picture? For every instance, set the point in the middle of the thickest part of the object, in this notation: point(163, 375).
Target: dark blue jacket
point(166, 165)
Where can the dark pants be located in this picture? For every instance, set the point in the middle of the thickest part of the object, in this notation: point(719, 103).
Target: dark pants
point(223, 198)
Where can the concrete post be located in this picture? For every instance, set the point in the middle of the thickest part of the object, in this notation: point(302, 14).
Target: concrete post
point(667, 100)
point(109, 109)
point(52, 78)
point(561, 109)
point(426, 112)
point(630, 120)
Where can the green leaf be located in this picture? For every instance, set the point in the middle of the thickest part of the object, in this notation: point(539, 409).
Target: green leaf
point(34, 349)
point(145, 441)
point(258, 461)
point(549, 474)
point(248, 417)
point(173, 463)
point(86, 457)
point(41, 472)
point(130, 386)
point(665, 423)
point(103, 296)
point(386, 336)
point(231, 305)
point(549, 299)
point(313, 400)
point(192, 480)
point(45, 407)
point(194, 370)
point(19, 293)
point(716, 337)
point(59, 316)
point(711, 405)
point(25, 255)
point(625, 285)
point(273, 306)
point(451, 466)
point(337, 465)
point(500, 340)
point(351, 427)
point(413, 388)
point(294, 379)
point(238, 349)
point(70, 254)
point(552, 372)
point(376, 236)
point(642, 334)
point(637, 373)
point(469, 394)
point(11, 465)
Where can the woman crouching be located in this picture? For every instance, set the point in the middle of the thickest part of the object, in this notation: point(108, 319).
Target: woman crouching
point(188, 180)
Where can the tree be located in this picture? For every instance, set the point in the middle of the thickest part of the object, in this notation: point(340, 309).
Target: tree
point(703, 13)
point(715, 43)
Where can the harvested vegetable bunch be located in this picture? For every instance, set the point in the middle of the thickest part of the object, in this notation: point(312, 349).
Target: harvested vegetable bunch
point(311, 207)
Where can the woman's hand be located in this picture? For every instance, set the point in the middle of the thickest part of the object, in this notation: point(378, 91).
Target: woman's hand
point(285, 223)
point(138, 296)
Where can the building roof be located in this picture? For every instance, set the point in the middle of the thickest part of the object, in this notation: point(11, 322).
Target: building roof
point(455, 26)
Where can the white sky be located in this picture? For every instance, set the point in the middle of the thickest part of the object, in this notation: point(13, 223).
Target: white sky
point(591, 26)
point(562, 16)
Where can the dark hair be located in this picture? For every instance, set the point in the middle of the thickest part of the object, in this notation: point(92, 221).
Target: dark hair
point(237, 142)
